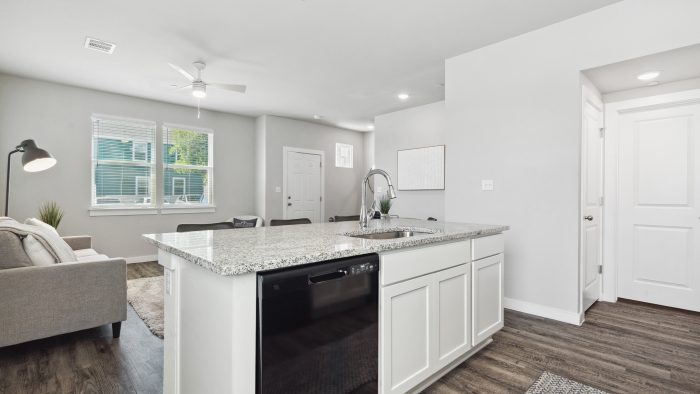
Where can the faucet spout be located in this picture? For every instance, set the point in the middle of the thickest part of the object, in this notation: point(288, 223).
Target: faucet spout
point(365, 215)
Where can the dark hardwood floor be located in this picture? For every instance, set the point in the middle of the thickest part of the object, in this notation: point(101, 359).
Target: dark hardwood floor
point(627, 347)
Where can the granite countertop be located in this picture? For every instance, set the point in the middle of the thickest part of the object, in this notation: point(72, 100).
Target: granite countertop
point(242, 251)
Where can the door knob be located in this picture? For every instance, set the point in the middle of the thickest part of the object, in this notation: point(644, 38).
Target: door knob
point(589, 218)
point(289, 204)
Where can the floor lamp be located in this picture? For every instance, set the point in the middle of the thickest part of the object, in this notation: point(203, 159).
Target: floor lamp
point(34, 159)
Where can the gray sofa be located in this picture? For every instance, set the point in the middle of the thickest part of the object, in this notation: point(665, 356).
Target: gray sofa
point(42, 301)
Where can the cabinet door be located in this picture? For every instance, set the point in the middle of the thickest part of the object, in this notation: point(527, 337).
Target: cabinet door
point(405, 334)
point(452, 306)
point(487, 297)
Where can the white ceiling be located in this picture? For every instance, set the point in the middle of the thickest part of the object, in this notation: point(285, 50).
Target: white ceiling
point(675, 65)
point(345, 60)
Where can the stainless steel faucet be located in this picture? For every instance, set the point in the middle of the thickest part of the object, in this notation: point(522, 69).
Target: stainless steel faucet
point(366, 215)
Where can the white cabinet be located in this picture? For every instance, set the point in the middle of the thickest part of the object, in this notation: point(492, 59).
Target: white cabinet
point(405, 334)
point(453, 309)
point(436, 304)
point(424, 327)
point(487, 297)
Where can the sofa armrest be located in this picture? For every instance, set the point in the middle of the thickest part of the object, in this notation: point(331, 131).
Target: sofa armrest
point(42, 301)
point(78, 242)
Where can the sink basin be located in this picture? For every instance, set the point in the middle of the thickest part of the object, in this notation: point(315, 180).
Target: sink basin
point(388, 235)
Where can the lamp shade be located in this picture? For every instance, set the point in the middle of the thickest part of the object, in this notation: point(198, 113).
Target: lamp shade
point(35, 159)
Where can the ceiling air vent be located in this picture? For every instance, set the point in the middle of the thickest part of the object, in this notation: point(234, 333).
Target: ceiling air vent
point(99, 45)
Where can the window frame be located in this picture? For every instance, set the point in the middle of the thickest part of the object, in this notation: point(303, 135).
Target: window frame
point(154, 182)
point(339, 146)
point(187, 206)
point(107, 209)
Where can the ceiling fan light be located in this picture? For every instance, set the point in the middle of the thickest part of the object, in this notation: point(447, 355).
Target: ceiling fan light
point(199, 91)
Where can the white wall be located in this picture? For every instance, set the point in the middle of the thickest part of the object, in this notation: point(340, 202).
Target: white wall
point(342, 185)
point(513, 115)
point(58, 118)
point(411, 128)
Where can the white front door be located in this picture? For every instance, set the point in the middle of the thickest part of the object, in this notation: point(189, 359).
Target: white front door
point(591, 195)
point(659, 222)
point(303, 198)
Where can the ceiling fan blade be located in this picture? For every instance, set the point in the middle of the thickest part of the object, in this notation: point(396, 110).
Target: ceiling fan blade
point(228, 86)
point(183, 87)
point(182, 71)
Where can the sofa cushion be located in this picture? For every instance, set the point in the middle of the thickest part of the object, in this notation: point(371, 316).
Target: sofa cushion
point(93, 257)
point(37, 252)
point(12, 254)
point(80, 253)
point(243, 223)
point(46, 227)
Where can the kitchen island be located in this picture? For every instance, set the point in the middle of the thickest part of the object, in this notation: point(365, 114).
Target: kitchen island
point(443, 286)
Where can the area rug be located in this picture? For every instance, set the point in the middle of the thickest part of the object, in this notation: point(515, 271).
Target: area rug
point(549, 383)
point(146, 297)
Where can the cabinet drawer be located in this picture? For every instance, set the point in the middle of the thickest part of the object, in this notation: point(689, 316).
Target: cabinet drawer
point(400, 265)
point(487, 246)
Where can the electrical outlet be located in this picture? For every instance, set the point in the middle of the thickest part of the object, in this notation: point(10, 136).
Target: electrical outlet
point(487, 184)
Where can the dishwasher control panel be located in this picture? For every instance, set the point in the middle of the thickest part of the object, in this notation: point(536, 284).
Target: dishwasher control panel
point(363, 268)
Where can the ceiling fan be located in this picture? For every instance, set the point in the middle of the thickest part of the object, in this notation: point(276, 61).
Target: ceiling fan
point(199, 87)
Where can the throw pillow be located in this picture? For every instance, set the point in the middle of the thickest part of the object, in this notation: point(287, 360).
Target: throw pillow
point(44, 226)
point(12, 254)
point(37, 252)
point(243, 223)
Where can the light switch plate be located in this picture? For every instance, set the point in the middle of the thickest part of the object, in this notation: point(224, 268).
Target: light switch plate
point(487, 184)
point(278, 189)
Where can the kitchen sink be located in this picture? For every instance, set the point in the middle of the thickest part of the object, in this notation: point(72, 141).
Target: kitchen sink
point(388, 235)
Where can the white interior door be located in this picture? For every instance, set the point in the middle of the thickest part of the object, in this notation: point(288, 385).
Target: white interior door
point(659, 217)
point(591, 198)
point(303, 186)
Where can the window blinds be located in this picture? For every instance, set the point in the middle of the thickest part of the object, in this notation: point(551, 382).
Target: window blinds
point(187, 166)
point(123, 162)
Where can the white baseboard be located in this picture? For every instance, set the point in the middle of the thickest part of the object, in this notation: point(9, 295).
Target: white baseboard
point(141, 259)
point(544, 311)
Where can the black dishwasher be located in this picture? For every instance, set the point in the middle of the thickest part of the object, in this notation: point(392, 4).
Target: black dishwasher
point(317, 329)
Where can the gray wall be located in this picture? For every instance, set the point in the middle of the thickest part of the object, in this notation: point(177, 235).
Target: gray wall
point(342, 185)
point(411, 128)
point(58, 118)
point(514, 116)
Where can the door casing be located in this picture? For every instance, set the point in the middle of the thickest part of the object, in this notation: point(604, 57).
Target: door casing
point(285, 151)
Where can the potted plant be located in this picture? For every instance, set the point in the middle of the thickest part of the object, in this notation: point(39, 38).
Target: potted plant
point(51, 214)
point(385, 206)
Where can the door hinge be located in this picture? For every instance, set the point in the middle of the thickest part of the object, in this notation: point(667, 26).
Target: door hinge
point(320, 164)
point(600, 269)
point(320, 198)
point(602, 132)
point(601, 200)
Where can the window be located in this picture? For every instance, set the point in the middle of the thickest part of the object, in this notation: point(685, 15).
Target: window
point(187, 167)
point(140, 151)
point(343, 155)
point(179, 187)
point(143, 187)
point(123, 164)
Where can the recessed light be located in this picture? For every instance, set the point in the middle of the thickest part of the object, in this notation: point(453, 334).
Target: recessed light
point(370, 127)
point(653, 83)
point(403, 96)
point(648, 76)
point(317, 117)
